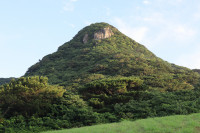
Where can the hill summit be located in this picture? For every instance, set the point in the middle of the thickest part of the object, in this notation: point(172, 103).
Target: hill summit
point(100, 51)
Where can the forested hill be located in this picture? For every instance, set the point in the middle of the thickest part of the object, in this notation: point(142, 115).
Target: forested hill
point(100, 52)
point(5, 80)
point(105, 77)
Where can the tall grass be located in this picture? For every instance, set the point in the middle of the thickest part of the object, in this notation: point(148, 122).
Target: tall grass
point(169, 124)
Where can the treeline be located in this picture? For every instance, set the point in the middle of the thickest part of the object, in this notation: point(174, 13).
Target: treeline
point(30, 104)
point(5, 80)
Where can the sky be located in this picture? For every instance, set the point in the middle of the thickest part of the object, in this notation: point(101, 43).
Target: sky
point(31, 29)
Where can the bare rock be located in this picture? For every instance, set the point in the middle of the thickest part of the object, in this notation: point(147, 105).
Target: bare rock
point(85, 38)
point(103, 33)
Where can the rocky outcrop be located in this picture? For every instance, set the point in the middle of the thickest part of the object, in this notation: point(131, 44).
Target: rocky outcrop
point(85, 38)
point(103, 33)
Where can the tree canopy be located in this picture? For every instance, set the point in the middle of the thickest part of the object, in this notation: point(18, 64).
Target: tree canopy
point(28, 95)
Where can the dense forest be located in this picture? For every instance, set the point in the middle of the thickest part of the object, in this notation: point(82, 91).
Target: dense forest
point(100, 76)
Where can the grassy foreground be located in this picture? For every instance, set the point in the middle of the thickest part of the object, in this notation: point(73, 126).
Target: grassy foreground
point(169, 124)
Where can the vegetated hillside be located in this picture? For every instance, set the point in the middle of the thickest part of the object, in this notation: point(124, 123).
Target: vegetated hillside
point(169, 124)
point(101, 51)
point(5, 80)
point(196, 70)
point(107, 77)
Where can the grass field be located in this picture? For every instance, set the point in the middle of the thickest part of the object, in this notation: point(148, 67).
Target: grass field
point(170, 124)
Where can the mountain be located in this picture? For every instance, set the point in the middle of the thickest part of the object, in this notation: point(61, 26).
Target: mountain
point(100, 52)
point(107, 77)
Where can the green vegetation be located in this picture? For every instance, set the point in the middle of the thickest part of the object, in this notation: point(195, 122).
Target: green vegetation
point(28, 96)
point(196, 70)
point(77, 63)
point(5, 80)
point(169, 124)
point(95, 82)
point(30, 104)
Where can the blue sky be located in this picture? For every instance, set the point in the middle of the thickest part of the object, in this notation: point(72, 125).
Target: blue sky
point(31, 29)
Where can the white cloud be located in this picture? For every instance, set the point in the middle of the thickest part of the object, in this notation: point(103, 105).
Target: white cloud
point(183, 32)
point(73, 0)
point(108, 11)
point(72, 25)
point(190, 60)
point(179, 0)
point(196, 14)
point(136, 33)
point(178, 33)
point(86, 22)
point(168, 29)
point(146, 2)
point(68, 7)
point(173, 2)
point(176, 2)
point(154, 18)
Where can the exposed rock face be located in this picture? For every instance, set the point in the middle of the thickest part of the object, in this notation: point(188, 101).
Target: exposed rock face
point(103, 33)
point(85, 38)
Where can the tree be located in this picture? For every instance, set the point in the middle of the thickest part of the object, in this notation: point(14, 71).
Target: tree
point(28, 95)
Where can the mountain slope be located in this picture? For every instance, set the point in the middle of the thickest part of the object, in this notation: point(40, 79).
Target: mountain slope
point(101, 51)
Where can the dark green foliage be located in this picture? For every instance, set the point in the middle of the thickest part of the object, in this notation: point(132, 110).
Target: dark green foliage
point(101, 94)
point(69, 110)
point(134, 109)
point(160, 104)
point(196, 70)
point(27, 96)
point(112, 86)
point(5, 80)
point(30, 104)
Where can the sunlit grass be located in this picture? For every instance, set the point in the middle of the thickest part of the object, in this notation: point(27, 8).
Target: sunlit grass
point(170, 124)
